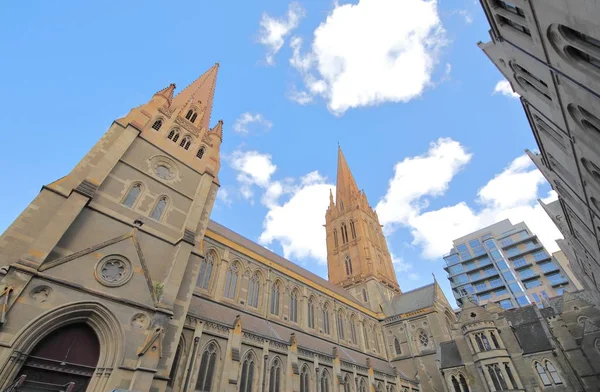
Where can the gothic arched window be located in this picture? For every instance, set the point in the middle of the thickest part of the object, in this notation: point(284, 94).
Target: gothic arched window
point(304, 380)
point(344, 231)
point(324, 381)
point(352, 230)
point(362, 385)
point(376, 339)
point(253, 291)
point(347, 384)
point(193, 119)
point(397, 347)
point(207, 368)
point(325, 319)
point(509, 373)
point(247, 373)
point(423, 338)
point(348, 263)
point(173, 135)
point(159, 208)
point(206, 267)
point(353, 330)
point(132, 195)
point(366, 335)
point(335, 238)
point(340, 324)
point(455, 384)
point(553, 373)
point(294, 306)
point(494, 340)
point(189, 114)
point(231, 279)
point(311, 314)
point(464, 385)
point(185, 143)
point(200, 153)
point(157, 124)
point(275, 376)
point(275, 293)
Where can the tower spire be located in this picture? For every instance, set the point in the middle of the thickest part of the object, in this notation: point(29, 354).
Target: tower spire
point(346, 185)
point(201, 92)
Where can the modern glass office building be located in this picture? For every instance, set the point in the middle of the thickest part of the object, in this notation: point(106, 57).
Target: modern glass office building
point(504, 263)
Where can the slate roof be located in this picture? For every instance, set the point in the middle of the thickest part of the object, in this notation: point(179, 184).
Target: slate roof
point(449, 355)
point(222, 314)
point(528, 329)
point(261, 250)
point(413, 300)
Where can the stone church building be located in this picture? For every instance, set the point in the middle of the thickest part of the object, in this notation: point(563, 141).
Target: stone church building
point(115, 278)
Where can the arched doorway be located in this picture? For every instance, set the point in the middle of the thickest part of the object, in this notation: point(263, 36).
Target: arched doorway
point(65, 360)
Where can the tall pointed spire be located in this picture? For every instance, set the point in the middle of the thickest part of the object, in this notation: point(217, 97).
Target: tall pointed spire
point(201, 92)
point(346, 185)
point(167, 92)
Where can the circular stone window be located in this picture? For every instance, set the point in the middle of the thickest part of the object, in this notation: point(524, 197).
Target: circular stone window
point(113, 271)
point(163, 172)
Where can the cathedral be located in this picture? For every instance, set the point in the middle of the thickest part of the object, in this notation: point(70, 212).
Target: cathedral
point(115, 278)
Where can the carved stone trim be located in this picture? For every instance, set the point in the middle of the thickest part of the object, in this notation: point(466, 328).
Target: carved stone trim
point(86, 188)
point(189, 237)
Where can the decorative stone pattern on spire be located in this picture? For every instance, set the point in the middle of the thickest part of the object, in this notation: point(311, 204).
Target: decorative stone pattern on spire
point(201, 91)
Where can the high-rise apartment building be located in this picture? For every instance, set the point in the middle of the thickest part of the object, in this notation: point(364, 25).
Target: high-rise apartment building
point(549, 51)
point(506, 264)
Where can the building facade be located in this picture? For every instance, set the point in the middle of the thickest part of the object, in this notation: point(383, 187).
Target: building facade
point(115, 278)
point(505, 264)
point(549, 51)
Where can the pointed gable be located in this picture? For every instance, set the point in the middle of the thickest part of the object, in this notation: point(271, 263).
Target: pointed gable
point(201, 91)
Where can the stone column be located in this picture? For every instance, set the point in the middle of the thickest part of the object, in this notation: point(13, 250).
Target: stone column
point(371, 373)
point(316, 366)
point(265, 366)
point(189, 377)
point(337, 371)
point(293, 368)
point(232, 358)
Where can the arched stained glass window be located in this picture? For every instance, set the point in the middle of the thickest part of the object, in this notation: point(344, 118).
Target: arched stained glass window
point(157, 124)
point(311, 313)
point(304, 380)
point(200, 153)
point(294, 306)
point(348, 263)
point(132, 195)
point(206, 268)
point(397, 347)
point(352, 230)
point(247, 376)
point(275, 376)
point(254, 291)
point(275, 293)
point(159, 208)
point(340, 325)
point(231, 279)
point(463, 383)
point(325, 315)
point(207, 369)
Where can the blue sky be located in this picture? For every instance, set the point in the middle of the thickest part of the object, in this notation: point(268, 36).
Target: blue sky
point(431, 131)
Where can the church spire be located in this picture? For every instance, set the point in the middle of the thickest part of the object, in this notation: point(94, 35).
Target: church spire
point(200, 92)
point(346, 185)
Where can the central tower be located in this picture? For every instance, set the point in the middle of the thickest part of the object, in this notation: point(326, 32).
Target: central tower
point(357, 255)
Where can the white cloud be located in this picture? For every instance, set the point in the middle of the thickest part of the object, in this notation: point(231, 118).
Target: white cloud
point(466, 15)
point(300, 97)
point(243, 124)
point(223, 196)
point(297, 223)
point(273, 31)
point(254, 168)
point(512, 194)
point(371, 52)
point(415, 177)
point(503, 87)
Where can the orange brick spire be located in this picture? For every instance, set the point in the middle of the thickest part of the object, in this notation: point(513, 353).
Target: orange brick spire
point(200, 92)
point(346, 185)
